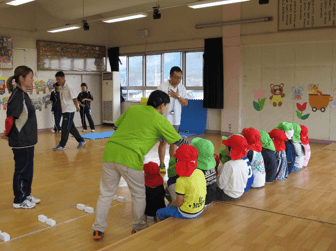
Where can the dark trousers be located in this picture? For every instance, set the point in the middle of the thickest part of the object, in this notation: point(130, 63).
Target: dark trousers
point(86, 112)
point(68, 126)
point(57, 117)
point(222, 196)
point(23, 174)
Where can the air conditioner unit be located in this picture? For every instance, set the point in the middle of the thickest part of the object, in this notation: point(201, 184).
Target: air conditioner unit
point(111, 96)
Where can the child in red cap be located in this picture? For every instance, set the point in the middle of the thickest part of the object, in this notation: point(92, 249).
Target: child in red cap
point(235, 176)
point(190, 187)
point(254, 155)
point(155, 192)
point(305, 142)
point(279, 138)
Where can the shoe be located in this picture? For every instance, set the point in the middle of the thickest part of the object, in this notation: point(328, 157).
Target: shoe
point(32, 199)
point(81, 144)
point(162, 168)
point(59, 148)
point(26, 204)
point(97, 235)
point(93, 130)
point(134, 231)
point(53, 131)
point(60, 131)
point(84, 130)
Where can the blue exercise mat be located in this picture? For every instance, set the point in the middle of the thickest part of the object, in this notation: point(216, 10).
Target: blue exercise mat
point(98, 135)
point(193, 118)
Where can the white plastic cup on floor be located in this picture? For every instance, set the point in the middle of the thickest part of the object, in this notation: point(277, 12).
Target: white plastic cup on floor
point(42, 218)
point(51, 222)
point(4, 237)
point(89, 210)
point(81, 206)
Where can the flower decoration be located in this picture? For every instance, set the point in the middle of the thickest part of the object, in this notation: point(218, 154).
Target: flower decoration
point(301, 108)
point(259, 94)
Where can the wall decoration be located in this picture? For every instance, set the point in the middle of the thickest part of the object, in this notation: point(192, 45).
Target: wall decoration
point(5, 102)
point(334, 97)
point(2, 86)
point(30, 90)
point(259, 94)
point(6, 54)
point(297, 93)
point(40, 86)
point(277, 91)
point(301, 107)
point(37, 102)
point(319, 102)
point(46, 100)
point(306, 14)
point(314, 89)
point(57, 56)
point(50, 84)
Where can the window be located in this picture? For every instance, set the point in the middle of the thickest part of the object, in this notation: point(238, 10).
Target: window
point(140, 75)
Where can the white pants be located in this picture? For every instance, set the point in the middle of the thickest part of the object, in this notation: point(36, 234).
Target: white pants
point(109, 183)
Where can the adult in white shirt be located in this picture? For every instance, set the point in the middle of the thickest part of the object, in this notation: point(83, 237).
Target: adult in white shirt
point(69, 105)
point(178, 97)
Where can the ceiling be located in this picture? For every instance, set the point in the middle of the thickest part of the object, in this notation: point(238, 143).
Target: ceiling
point(73, 9)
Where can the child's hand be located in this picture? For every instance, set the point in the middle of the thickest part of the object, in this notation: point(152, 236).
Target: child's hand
point(4, 136)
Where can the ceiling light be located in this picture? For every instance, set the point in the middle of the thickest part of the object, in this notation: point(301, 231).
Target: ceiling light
point(19, 2)
point(124, 18)
point(65, 28)
point(205, 4)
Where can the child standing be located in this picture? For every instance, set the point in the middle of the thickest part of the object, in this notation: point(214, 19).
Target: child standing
point(155, 192)
point(255, 157)
point(235, 176)
point(305, 142)
point(207, 163)
point(268, 153)
point(21, 133)
point(279, 138)
point(299, 148)
point(190, 187)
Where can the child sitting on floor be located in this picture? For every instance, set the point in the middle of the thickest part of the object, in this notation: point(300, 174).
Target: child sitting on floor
point(255, 157)
point(207, 163)
point(287, 128)
point(268, 153)
point(279, 138)
point(172, 177)
point(190, 187)
point(235, 176)
point(305, 142)
point(299, 148)
point(155, 192)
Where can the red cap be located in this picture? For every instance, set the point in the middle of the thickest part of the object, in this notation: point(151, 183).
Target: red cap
point(152, 175)
point(216, 158)
point(279, 137)
point(253, 139)
point(239, 146)
point(304, 135)
point(186, 156)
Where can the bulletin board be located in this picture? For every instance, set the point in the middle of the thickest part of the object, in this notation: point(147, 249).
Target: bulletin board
point(6, 53)
point(306, 14)
point(70, 57)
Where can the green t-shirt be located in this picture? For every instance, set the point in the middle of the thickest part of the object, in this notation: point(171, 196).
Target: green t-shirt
point(194, 190)
point(139, 128)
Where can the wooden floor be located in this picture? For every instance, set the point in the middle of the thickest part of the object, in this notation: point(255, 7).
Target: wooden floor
point(295, 214)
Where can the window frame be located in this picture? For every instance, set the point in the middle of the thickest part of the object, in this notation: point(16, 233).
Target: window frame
point(144, 86)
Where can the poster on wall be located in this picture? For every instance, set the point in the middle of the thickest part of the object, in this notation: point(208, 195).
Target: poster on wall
point(50, 84)
point(277, 95)
point(297, 93)
point(2, 86)
point(6, 53)
point(37, 102)
point(318, 100)
point(40, 86)
point(46, 100)
point(4, 102)
point(306, 14)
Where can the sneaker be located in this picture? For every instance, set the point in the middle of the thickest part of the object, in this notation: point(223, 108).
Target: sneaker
point(26, 204)
point(93, 130)
point(32, 199)
point(60, 131)
point(59, 148)
point(84, 130)
point(162, 168)
point(53, 131)
point(81, 144)
point(134, 231)
point(97, 235)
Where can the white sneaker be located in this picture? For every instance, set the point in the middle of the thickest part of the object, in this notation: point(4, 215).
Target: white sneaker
point(25, 204)
point(32, 199)
point(84, 130)
point(53, 131)
point(93, 130)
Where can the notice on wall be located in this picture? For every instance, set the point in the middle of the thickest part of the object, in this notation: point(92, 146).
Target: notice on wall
point(306, 14)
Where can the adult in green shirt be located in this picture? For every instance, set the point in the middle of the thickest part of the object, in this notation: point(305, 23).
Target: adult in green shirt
point(136, 132)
